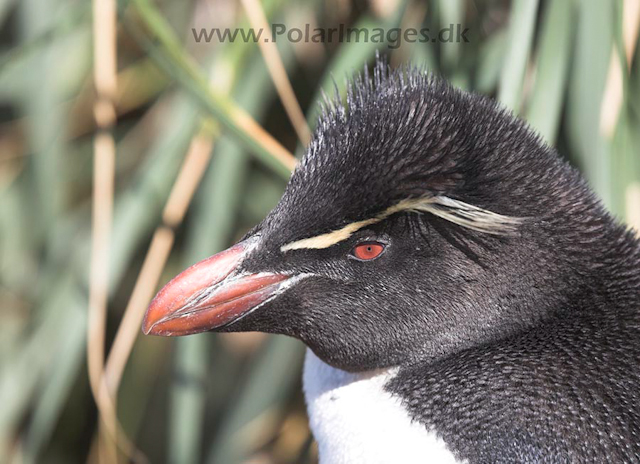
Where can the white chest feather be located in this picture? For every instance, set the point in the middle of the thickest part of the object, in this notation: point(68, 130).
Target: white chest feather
point(354, 420)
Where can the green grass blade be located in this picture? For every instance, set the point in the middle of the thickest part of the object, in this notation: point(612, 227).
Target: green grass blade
point(188, 399)
point(491, 59)
point(451, 14)
point(60, 377)
point(20, 380)
point(588, 79)
point(46, 120)
point(521, 29)
point(553, 60)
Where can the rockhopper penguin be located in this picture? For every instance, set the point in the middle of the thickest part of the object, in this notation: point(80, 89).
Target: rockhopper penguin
point(463, 295)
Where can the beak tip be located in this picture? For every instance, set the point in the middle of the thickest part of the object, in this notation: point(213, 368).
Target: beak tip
point(146, 328)
point(174, 294)
point(152, 316)
point(147, 324)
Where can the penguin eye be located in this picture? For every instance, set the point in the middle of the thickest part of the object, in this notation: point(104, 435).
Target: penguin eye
point(368, 250)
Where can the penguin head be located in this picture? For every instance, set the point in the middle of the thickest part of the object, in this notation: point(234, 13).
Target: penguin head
point(421, 220)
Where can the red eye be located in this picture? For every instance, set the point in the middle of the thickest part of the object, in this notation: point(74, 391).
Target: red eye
point(367, 251)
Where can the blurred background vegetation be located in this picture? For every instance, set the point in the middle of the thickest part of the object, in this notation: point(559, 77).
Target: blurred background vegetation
point(180, 119)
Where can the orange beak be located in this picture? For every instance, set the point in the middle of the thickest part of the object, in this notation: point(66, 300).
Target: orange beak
point(208, 295)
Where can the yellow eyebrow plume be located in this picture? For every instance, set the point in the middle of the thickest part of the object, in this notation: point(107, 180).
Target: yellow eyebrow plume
point(455, 211)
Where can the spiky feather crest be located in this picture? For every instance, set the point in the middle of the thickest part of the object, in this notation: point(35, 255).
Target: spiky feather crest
point(405, 134)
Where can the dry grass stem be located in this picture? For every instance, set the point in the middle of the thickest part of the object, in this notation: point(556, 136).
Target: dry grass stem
point(105, 69)
point(244, 120)
point(269, 50)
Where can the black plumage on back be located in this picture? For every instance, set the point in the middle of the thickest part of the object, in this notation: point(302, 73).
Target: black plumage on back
point(564, 391)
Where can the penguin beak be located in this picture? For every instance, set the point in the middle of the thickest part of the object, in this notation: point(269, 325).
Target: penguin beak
point(209, 295)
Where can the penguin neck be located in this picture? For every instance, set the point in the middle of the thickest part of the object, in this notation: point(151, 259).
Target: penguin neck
point(595, 276)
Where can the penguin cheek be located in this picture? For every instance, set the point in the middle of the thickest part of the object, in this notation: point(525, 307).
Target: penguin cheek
point(338, 327)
